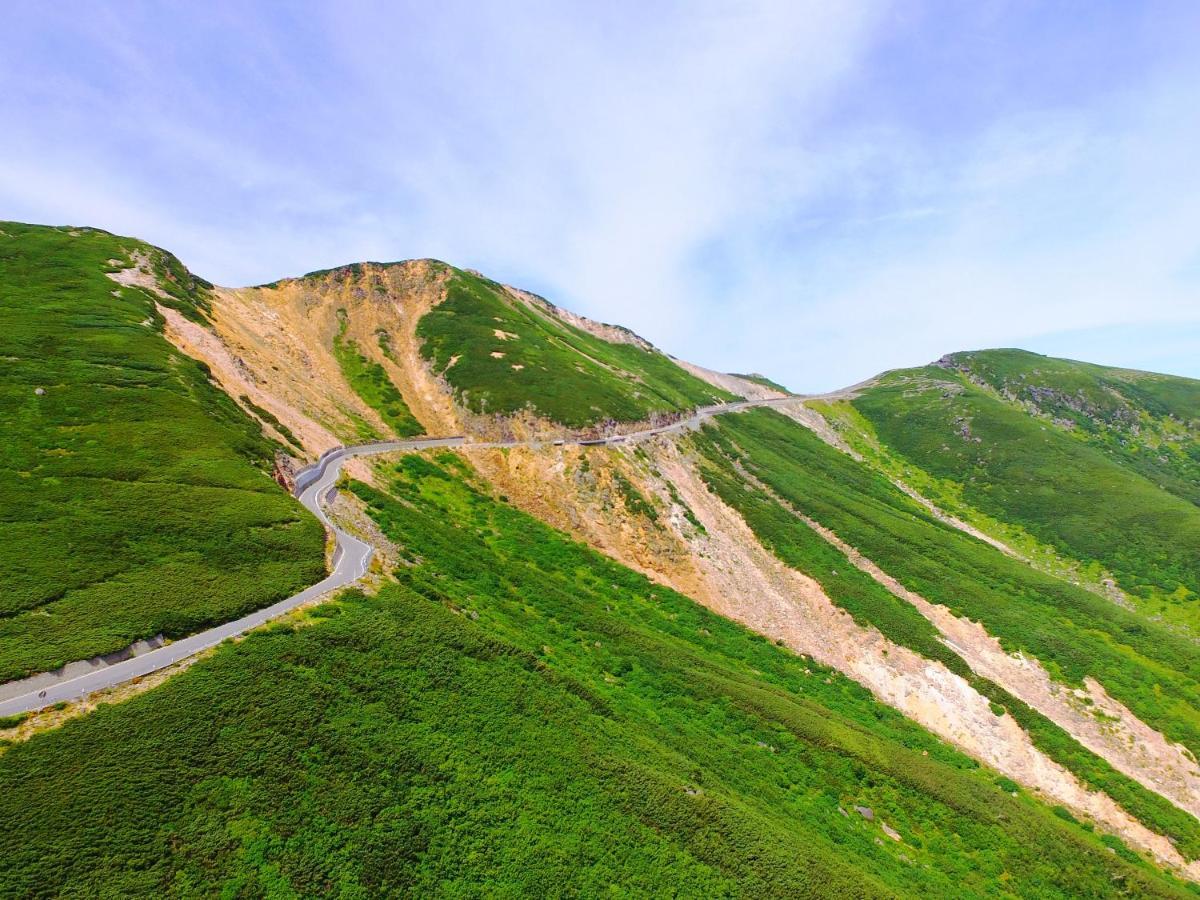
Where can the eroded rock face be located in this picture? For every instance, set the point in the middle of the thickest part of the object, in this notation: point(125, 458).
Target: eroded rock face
point(1102, 724)
point(743, 387)
point(285, 471)
point(273, 344)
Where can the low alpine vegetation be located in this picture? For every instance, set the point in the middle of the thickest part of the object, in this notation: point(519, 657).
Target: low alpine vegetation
point(519, 714)
point(502, 356)
point(137, 498)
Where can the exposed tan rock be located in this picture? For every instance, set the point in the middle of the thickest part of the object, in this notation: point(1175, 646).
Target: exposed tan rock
point(238, 380)
point(743, 387)
point(284, 334)
point(274, 344)
point(140, 274)
point(572, 488)
point(1103, 725)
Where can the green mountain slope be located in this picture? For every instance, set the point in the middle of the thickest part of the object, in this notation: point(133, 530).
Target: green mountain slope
point(520, 715)
point(135, 497)
point(514, 713)
point(502, 355)
point(1145, 421)
point(1100, 464)
point(1073, 632)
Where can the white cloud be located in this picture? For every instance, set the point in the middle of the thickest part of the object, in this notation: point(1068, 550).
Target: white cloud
point(679, 170)
point(1046, 227)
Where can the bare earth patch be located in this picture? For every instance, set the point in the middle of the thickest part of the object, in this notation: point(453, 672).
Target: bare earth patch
point(743, 387)
point(1117, 735)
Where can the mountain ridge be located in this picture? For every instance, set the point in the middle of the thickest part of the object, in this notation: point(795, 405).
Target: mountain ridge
point(794, 523)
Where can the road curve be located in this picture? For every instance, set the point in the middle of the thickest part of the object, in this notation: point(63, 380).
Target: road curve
point(351, 557)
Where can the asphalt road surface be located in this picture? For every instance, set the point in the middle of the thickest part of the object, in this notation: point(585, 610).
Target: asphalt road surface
point(350, 560)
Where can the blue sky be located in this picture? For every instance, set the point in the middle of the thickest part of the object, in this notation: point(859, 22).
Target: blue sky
point(817, 191)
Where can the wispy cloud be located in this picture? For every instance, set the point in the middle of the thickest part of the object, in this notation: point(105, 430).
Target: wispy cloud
point(803, 188)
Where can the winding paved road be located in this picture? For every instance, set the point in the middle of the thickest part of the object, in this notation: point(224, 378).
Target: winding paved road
point(350, 559)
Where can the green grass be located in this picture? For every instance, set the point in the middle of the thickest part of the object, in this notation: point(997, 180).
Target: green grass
point(521, 716)
point(1095, 493)
point(1148, 422)
point(859, 434)
point(567, 375)
point(870, 604)
point(135, 497)
point(1073, 632)
point(269, 418)
point(370, 381)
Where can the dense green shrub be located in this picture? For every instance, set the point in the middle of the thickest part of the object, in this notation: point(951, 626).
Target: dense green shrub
point(135, 497)
point(1100, 476)
point(561, 372)
point(520, 716)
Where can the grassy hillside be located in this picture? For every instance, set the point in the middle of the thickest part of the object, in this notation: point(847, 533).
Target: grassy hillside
point(521, 716)
point(1145, 421)
point(371, 382)
point(502, 356)
point(817, 480)
point(135, 497)
point(1081, 466)
point(1073, 632)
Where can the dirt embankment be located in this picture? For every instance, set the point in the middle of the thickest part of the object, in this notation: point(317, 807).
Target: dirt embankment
point(1102, 724)
point(578, 490)
point(284, 335)
point(274, 345)
point(743, 387)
